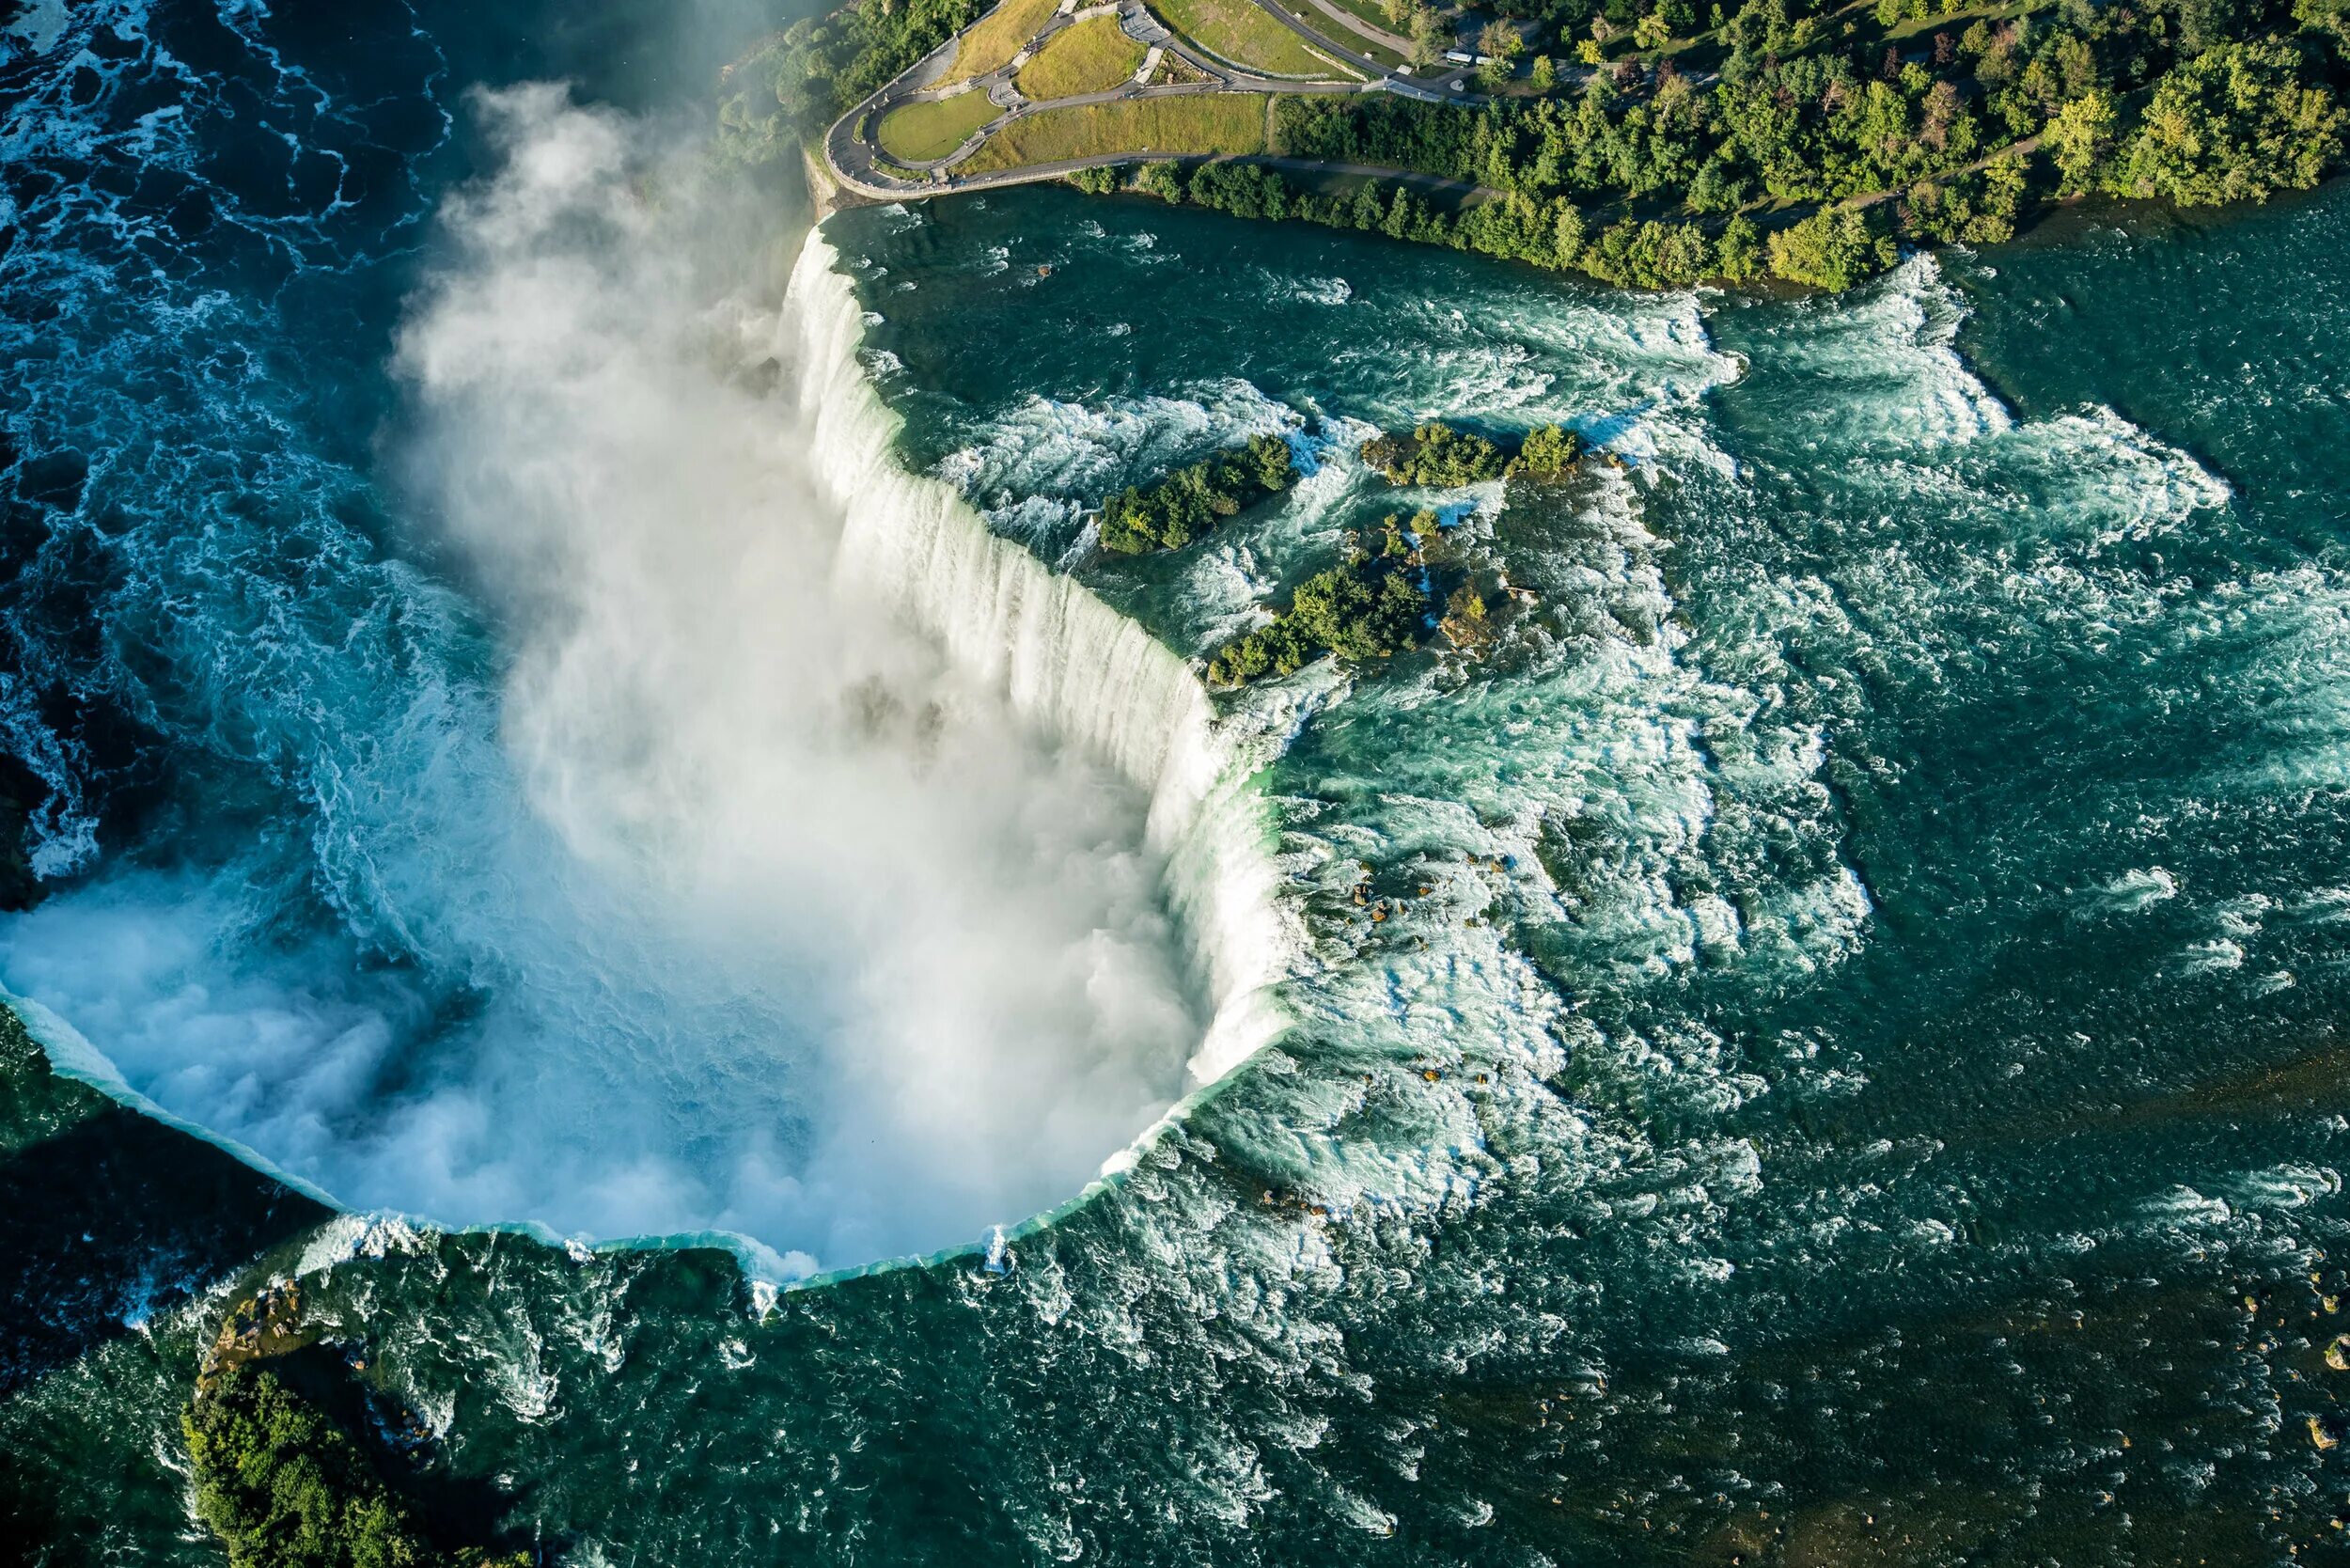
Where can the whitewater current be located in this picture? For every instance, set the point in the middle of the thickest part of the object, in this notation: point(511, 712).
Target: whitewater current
point(675, 891)
point(1819, 1045)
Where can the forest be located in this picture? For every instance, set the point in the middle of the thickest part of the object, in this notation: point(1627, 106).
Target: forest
point(1845, 141)
point(1804, 142)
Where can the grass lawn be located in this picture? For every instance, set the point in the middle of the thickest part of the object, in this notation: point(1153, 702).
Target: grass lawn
point(996, 38)
point(1346, 38)
point(1237, 31)
point(1374, 13)
point(1091, 56)
point(1146, 127)
point(917, 132)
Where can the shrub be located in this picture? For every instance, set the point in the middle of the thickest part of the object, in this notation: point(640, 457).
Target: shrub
point(1193, 500)
point(1365, 609)
point(1437, 455)
point(1162, 178)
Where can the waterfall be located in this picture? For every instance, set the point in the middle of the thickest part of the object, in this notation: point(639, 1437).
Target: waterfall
point(1068, 662)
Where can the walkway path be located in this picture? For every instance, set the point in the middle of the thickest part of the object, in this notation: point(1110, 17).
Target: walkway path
point(852, 159)
point(1355, 24)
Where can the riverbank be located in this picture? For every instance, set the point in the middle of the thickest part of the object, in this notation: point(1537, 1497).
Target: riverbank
point(1792, 150)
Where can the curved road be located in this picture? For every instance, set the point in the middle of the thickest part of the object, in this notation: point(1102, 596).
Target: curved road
point(853, 161)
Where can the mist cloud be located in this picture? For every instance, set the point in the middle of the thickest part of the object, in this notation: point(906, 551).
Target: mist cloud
point(735, 906)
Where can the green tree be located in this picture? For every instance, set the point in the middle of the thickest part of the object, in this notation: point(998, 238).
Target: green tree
point(2235, 123)
point(1834, 248)
point(1429, 34)
point(1193, 500)
point(2081, 138)
point(1739, 254)
point(2328, 18)
point(1549, 449)
point(1437, 455)
point(1568, 233)
point(1365, 609)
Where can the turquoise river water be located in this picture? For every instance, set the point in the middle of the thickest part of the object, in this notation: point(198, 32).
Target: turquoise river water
point(596, 805)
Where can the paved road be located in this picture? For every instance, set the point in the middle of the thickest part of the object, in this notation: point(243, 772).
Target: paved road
point(1355, 24)
point(854, 162)
point(1315, 40)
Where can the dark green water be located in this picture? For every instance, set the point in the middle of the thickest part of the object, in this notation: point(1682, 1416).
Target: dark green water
point(1862, 1084)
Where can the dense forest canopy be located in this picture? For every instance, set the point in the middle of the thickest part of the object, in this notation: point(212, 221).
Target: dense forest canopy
point(1779, 136)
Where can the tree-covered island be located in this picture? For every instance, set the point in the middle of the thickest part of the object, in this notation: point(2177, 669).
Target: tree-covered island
point(1651, 142)
point(1370, 605)
point(1440, 456)
point(1184, 505)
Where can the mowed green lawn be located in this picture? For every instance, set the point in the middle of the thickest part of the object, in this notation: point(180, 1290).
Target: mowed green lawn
point(917, 132)
point(1092, 56)
point(1239, 31)
point(1145, 127)
point(996, 38)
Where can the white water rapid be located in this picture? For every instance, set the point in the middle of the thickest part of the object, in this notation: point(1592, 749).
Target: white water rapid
point(1067, 663)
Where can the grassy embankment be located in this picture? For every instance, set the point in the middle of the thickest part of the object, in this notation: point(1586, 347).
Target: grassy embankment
point(1092, 56)
point(996, 38)
point(1239, 32)
point(1355, 39)
point(1372, 13)
point(1229, 123)
point(917, 132)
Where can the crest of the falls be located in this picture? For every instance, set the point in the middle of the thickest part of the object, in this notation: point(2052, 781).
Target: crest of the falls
point(1065, 660)
point(754, 847)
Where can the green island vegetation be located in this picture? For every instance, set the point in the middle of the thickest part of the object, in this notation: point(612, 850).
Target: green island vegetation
point(1947, 126)
point(283, 1486)
point(996, 38)
point(1649, 254)
point(1093, 55)
point(1468, 624)
point(1437, 456)
point(1194, 499)
point(1368, 607)
point(1646, 146)
point(1239, 31)
point(1205, 123)
point(918, 132)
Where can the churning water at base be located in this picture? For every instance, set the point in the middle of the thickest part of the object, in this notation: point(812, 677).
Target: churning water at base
point(1851, 1068)
point(731, 907)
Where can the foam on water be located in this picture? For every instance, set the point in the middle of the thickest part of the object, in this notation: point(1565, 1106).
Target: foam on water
point(1039, 463)
point(1758, 1107)
point(1065, 659)
point(646, 926)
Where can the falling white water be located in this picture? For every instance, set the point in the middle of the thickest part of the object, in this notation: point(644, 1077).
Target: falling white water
point(725, 905)
point(1066, 660)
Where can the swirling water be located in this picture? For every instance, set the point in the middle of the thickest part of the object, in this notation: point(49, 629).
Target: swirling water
point(1851, 1072)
